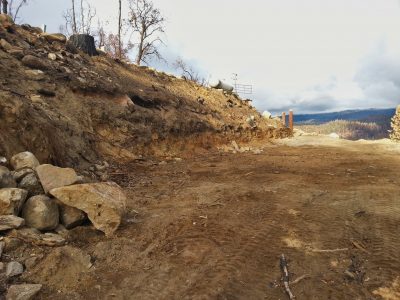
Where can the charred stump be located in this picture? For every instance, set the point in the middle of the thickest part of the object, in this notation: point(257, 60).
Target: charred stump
point(83, 42)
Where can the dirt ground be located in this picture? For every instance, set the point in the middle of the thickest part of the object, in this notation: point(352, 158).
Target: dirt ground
point(214, 227)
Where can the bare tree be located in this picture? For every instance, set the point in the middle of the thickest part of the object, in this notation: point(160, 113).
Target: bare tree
point(119, 29)
point(112, 47)
point(14, 8)
point(148, 23)
point(188, 71)
point(85, 14)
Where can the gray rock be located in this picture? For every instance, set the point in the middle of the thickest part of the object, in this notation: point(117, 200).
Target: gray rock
point(52, 177)
point(31, 183)
point(6, 178)
point(10, 222)
point(70, 216)
point(34, 62)
point(24, 160)
point(23, 291)
point(11, 201)
point(14, 268)
point(41, 212)
point(20, 174)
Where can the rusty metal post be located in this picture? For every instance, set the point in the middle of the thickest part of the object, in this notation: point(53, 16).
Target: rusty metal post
point(291, 120)
point(284, 119)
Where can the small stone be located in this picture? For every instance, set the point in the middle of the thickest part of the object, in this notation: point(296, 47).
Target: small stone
point(34, 62)
point(31, 183)
point(10, 222)
point(20, 174)
point(52, 56)
point(41, 212)
point(52, 239)
point(24, 160)
point(14, 268)
point(11, 201)
point(6, 178)
point(23, 291)
point(52, 177)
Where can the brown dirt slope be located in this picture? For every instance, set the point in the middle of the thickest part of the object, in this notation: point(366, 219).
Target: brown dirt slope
point(74, 111)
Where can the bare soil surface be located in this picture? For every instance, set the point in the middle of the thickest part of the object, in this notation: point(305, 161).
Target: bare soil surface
point(214, 227)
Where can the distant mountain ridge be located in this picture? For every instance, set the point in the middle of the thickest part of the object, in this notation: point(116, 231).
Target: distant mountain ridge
point(366, 115)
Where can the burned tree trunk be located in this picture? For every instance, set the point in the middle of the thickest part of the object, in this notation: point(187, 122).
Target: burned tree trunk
point(84, 42)
point(5, 7)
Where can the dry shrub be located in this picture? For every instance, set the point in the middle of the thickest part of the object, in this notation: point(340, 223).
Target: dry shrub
point(395, 132)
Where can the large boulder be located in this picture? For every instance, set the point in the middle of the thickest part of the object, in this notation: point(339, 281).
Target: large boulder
point(70, 216)
point(23, 291)
point(31, 183)
point(54, 37)
point(6, 178)
point(41, 212)
point(24, 160)
point(11, 201)
point(104, 203)
point(10, 222)
point(52, 177)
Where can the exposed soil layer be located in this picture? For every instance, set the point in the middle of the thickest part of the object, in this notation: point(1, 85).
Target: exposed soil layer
point(214, 227)
point(75, 110)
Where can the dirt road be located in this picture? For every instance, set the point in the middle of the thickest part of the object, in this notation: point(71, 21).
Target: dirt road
point(213, 227)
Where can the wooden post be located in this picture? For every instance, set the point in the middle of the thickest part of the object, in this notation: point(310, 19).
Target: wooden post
point(284, 119)
point(291, 120)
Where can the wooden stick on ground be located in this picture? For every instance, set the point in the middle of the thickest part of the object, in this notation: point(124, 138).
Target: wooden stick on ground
point(329, 250)
point(284, 268)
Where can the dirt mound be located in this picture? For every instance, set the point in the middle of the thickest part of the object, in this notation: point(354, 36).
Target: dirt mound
point(71, 109)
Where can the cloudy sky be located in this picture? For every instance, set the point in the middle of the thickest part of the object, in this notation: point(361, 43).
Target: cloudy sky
point(308, 55)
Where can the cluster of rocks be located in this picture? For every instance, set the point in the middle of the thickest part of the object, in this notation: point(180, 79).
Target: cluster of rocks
point(40, 201)
point(395, 133)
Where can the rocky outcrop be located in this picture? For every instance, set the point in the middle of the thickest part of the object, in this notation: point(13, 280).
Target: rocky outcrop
point(104, 203)
point(41, 212)
point(52, 177)
point(11, 201)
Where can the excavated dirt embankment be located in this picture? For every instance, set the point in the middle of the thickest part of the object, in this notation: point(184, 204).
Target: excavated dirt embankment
point(70, 109)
